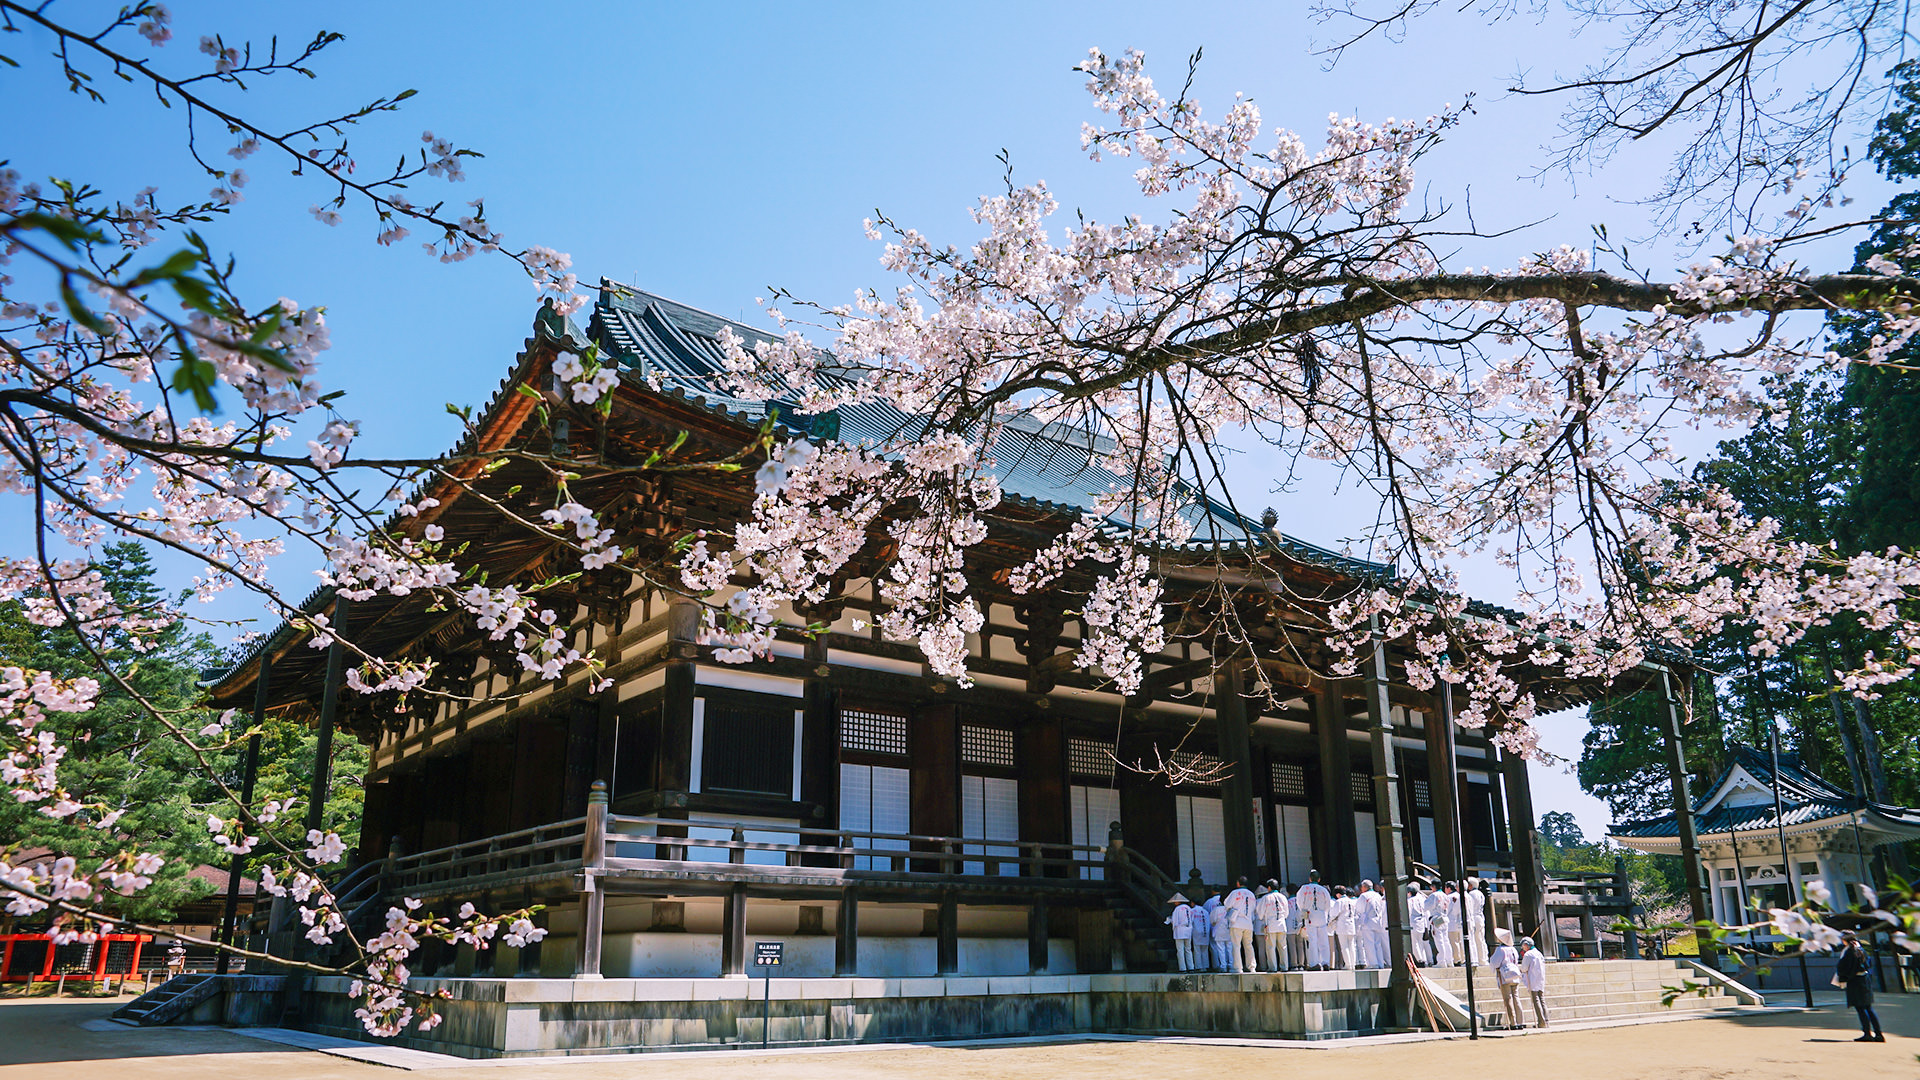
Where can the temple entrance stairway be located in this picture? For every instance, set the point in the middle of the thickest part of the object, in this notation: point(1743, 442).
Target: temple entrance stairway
point(1591, 991)
point(1145, 941)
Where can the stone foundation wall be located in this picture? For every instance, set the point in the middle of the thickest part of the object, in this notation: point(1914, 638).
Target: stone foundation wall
point(540, 1017)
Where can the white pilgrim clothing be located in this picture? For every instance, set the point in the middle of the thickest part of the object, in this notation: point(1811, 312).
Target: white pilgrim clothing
point(1218, 935)
point(1373, 929)
point(1203, 933)
point(1456, 929)
point(1316, 906)
point(1505, 963)
point(1239, 905)
point(1270, 928)
point(1476, 928)
point(1533, 976)
point(1420, 921)
point(1346, 930)
point(1182, 922)
point(1443, 927)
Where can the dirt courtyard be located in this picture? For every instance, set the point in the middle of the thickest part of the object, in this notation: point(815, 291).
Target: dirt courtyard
point(59, 1038)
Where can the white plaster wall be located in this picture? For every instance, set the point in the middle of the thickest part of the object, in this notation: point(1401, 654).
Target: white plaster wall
point(694, 955)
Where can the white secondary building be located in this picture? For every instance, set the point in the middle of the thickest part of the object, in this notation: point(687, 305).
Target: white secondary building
point(1831, 836)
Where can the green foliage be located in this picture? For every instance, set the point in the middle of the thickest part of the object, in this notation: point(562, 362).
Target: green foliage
point(118, 754)
point(1895, 146)
point(1557, 827)
point(122, 757)
point(1656, 880)
point(1623, 756)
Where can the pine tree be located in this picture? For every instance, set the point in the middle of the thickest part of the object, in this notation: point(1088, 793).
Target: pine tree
point(122, 757)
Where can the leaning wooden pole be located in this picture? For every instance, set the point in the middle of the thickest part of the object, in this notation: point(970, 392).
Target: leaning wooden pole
point(1683, 812)
point(1387, 824)
point(1456, 823)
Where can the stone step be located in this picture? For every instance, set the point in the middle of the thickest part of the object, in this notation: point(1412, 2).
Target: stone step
point(1590, 1007)
point(1573, 975)
point(1483, 989)
point(1676, 979)
point(1637, 1001)
point(1566, 1014)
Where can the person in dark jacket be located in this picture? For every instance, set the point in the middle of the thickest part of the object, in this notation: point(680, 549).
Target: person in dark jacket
point(1855, 971)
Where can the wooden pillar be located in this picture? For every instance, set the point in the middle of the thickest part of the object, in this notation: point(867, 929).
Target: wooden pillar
point(733, 934)
point(1525, 834)
point(675, 768)
point(1341, 858)
point(820, 754)
point(1683, 809)
point(530, 952)
point(1388, 824)
point(1093, 941)
point(593, 900)
point(1442, 776)
point(934, 781)
point(846, 943)
point(238, 868)
point(1037, 937)
point(1623, 885)
point(1236, 788)
point(1044, 811)
point(947, 935)
point(329, 709)
point(1147, 810)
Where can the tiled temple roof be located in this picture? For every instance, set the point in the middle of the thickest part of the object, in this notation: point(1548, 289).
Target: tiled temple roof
point(1047, 467)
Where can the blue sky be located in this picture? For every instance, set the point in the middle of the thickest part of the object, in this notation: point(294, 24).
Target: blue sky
point(707, 151)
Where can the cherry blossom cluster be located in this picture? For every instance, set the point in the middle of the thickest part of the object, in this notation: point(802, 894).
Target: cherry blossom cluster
point(32, 890)
point(386, 1007)
point(30, 767)
point(1293, 297)
point(147, 400)
point(811, 517)
point(1124, 622)
point(595, 543)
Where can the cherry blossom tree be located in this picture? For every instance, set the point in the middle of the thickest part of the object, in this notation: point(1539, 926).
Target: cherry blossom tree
point(1753, 96)
point(120, 331)
point(1273, 288)
point(1297, 296)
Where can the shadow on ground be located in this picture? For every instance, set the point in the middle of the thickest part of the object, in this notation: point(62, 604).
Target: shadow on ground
point(40, 1032)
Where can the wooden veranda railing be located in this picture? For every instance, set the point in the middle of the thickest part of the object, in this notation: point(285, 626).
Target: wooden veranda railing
point(635, 845)
point(544, 849)
point(639, 841)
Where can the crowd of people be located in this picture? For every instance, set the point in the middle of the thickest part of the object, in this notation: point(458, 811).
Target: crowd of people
point(1275, 927)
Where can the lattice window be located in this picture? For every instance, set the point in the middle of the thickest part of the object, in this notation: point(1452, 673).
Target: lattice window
point(1289, 780)
point(1422, 795)
point(873, 732)
point(986, 746)
point(1362, 789)
point(1086, 757)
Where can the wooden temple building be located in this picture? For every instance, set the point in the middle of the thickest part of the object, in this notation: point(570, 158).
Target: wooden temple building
point(880, 821)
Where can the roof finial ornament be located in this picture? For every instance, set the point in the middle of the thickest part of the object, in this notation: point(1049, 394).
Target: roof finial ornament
point(1269, 519)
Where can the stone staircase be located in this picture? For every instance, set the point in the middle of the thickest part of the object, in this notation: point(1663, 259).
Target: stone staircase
point(1144, 938)
point(1593, 991)
point(169, 1001)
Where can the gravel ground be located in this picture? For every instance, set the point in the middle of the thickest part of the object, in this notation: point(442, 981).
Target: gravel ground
point(43, 1038)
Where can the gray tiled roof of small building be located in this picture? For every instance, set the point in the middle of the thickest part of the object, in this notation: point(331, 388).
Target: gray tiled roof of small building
point(1804, 797)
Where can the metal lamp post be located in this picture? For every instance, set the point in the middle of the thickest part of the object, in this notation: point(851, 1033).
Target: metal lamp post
point(1786, 857)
